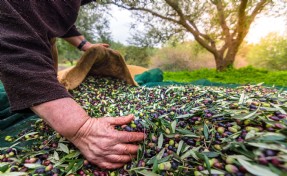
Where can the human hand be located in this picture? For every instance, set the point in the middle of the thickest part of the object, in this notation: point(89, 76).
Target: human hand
point(88, 45)
point(103, 145)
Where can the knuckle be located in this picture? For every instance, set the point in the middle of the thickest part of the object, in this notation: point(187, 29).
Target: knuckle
point(125, 149)
point(117, 158)
point(117, 136)
point(131, 137)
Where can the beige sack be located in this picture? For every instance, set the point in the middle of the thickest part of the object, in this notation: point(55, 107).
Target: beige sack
point(99, 61)
point(135, 70)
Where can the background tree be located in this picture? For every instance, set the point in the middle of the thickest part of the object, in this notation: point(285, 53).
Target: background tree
point(93, 22)
point(138, 55)
point(220, 26)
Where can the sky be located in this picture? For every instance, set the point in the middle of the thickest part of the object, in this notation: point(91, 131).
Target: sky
point(264, 26)
point(120, 26)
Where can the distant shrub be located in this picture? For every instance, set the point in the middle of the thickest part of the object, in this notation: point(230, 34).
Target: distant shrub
point(186, 56)
point(138, 55)
point(270, 53)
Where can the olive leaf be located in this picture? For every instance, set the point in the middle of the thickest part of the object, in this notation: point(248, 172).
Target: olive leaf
point(27, 134)
point(271, 137)
point(78, 165)
point(206, 161)
point(185, 132)
point(160, 141)
point(140, 152)
point(173, 126)
point(239, 156)
point(180, 144)
point(32, 165)
point(251, 115)
point(56, 156)
point(205, 131)
point(279, 108)
point(213, 171)
point(184, 116)
point(160, 154)
point(268, 146)
point(63, 147)
point(155, 166)
point(251, 134)
point(188, 154)
point(4, 167)
point(256, 169)
point(70, 166)
point(146, 173)
point(242, 97)
point(211, 154)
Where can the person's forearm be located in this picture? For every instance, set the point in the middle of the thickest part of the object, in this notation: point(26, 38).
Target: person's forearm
point(63, 115)
point(76, 40)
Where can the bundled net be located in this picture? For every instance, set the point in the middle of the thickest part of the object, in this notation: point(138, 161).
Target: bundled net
point(192, 130)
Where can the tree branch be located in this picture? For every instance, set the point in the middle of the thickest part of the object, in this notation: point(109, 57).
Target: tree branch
point(241, 20)
point(244, 21)
point(197, 35)
point(259, 7)
point(201, 34)
point(222, 18)
point(148, 11)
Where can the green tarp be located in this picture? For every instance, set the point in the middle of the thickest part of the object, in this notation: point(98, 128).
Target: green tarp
point(153, 75)
point(12, 123)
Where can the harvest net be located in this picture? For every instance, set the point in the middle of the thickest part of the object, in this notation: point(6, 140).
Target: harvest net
point(192, 130)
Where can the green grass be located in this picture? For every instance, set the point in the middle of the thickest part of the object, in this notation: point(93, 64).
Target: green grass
point(247, 75)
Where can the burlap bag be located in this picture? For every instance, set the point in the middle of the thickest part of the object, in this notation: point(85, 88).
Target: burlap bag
point(99, 61)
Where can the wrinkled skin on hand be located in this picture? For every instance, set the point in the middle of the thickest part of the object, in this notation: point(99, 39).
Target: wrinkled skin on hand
point(103, 145)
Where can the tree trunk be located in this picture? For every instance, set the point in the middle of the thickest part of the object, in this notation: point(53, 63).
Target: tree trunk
point(219, 61)
point(222, 63)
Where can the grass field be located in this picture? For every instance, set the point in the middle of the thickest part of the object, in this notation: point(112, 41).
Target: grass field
point(247, 75)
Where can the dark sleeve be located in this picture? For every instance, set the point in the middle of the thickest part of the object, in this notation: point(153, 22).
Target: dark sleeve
point(26, 65)
point(72, 32)
point(29, 79)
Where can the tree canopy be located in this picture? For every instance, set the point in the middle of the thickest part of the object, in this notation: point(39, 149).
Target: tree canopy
point(220, 26)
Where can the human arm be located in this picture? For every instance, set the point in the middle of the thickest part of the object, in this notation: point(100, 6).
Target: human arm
point(74, 37)
point(76, 40)
point(97, 139)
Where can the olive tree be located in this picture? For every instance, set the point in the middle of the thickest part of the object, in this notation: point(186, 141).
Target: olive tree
point(220, 26)
point(93, 23)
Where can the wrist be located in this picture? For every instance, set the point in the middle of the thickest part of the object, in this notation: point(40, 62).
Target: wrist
point(81, 44)
point(86, 46)
point(63, 115)
point(82, 132)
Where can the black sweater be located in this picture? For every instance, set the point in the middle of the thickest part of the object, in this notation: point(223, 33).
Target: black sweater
point(26, 64)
